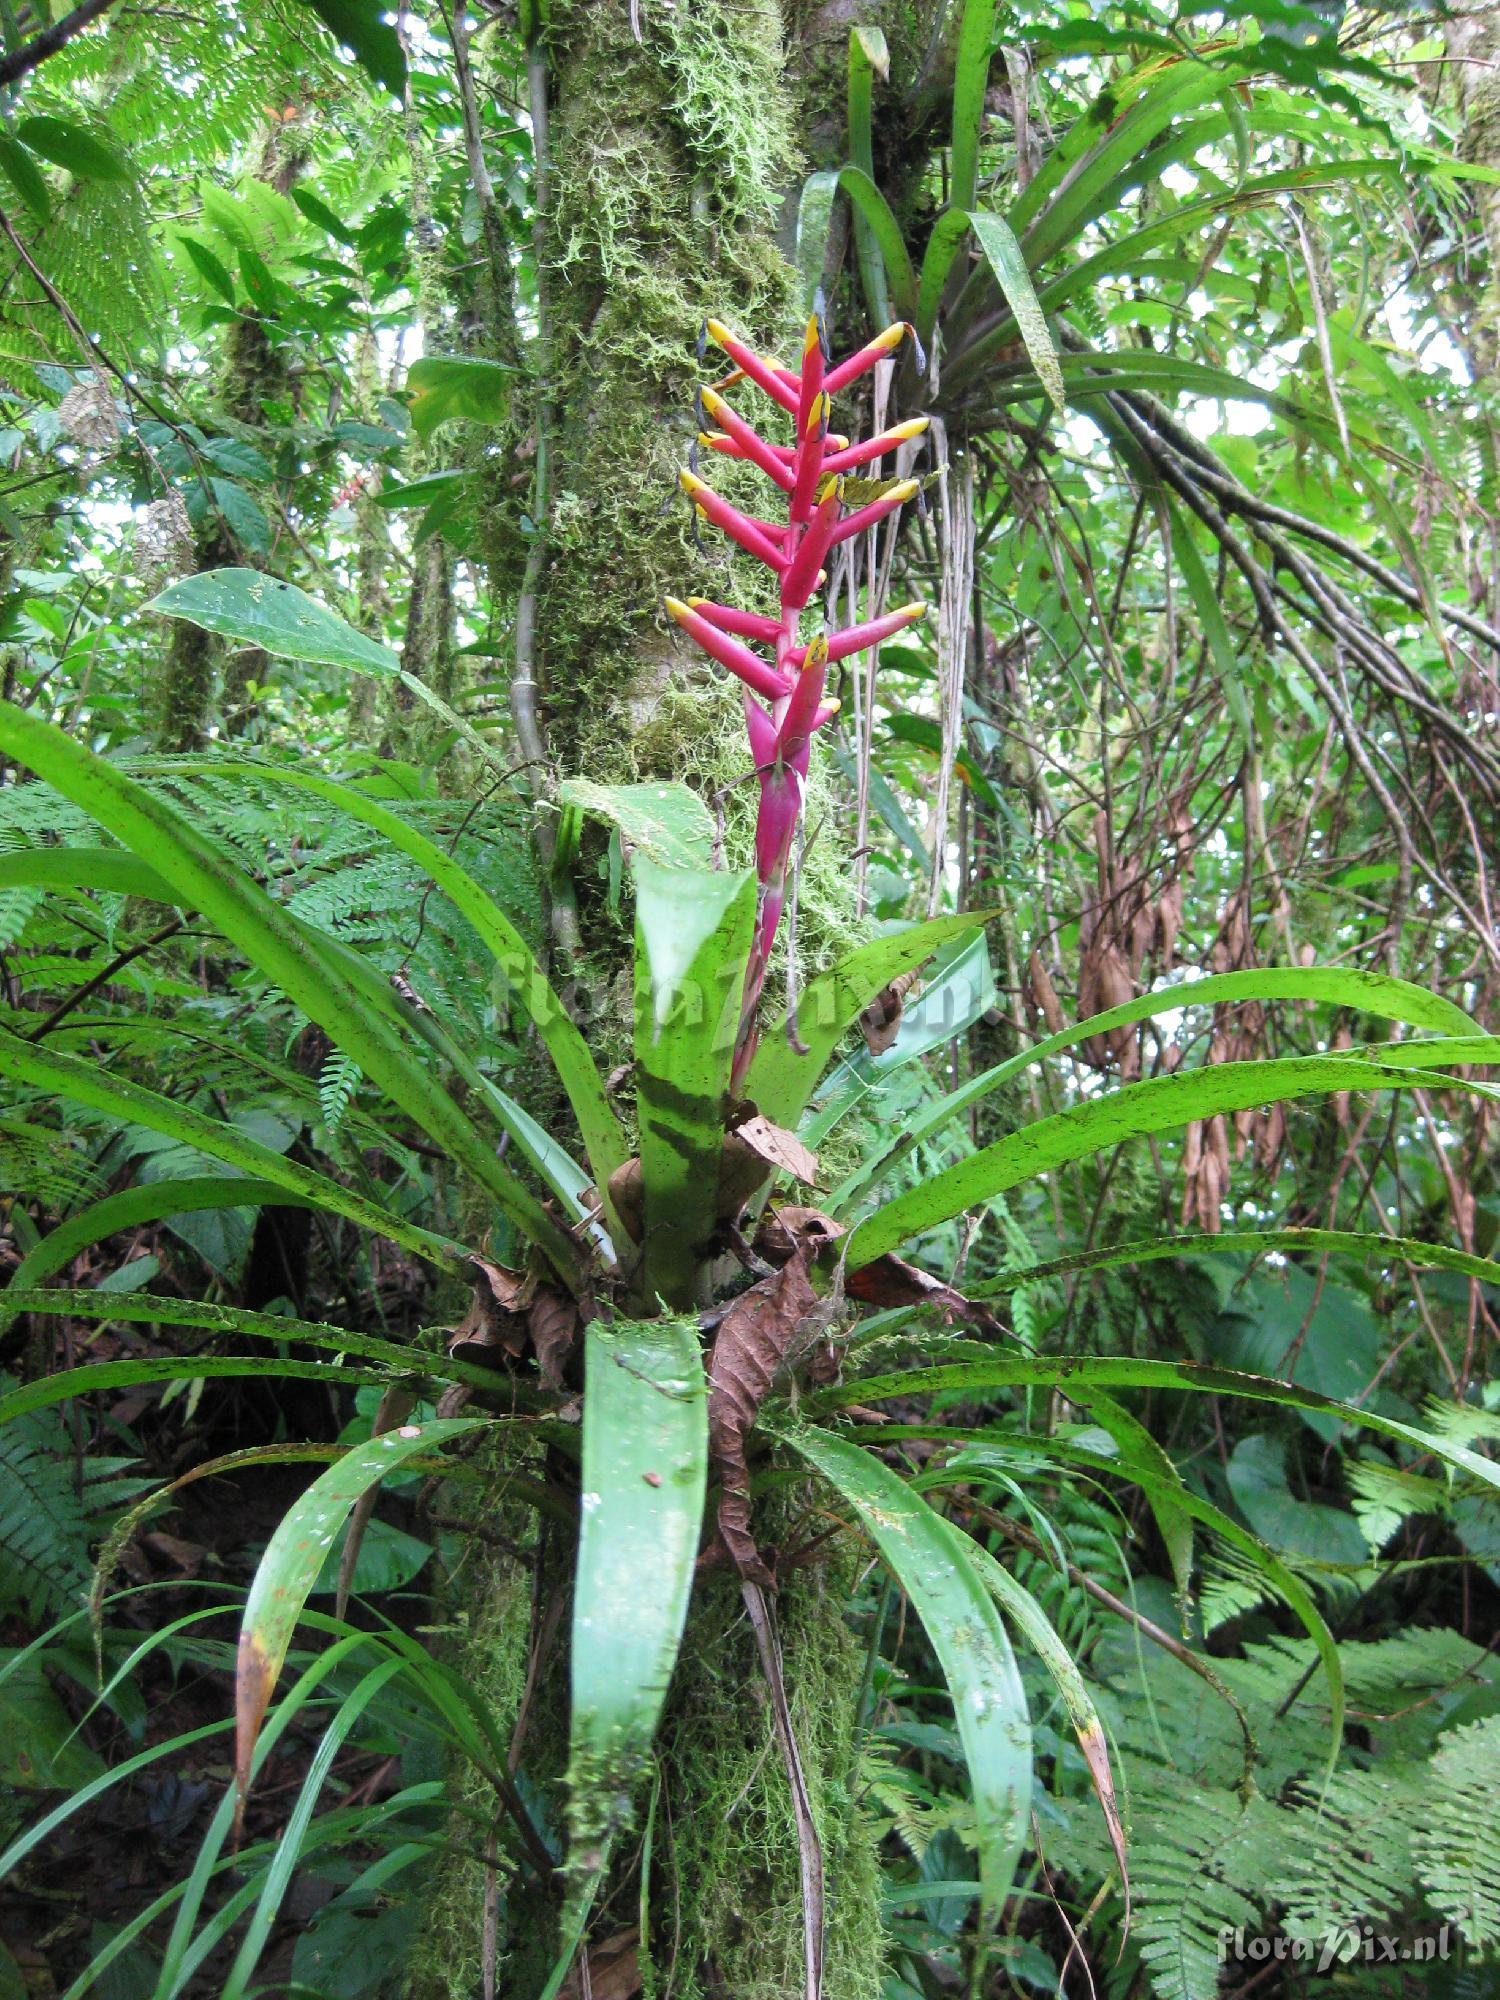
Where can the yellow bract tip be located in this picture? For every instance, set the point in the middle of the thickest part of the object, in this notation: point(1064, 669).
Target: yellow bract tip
point(892, 337)
point(818, 415)
point(817, 653)
point(712, 403)
point(718, 331)
point(832, 707)
point(916, 609)
point(913, 427)
point(905, 488)
point(690, 482)
point(676, 608)
point(812, 337)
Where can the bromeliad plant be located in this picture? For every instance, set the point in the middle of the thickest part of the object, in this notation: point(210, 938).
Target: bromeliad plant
point(810, 474)
point(622, 1285)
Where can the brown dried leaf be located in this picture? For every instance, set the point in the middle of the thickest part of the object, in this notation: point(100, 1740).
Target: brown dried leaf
point(1041, 994)
point(627, 1193)
point(495, 1323)
point(614, 1970)
point(754, 1338)
point(881, 1020)
point(778, 1148)
point(891, 1281)
point(553, 1324)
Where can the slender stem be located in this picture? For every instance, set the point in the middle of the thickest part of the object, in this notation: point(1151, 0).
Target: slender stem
point(35, 52)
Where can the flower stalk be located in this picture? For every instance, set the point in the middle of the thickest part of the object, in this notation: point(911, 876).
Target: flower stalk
point(786, 701)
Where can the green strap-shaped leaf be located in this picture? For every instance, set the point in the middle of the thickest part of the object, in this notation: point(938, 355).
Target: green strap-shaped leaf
point(1156, 1105)
point(782, 1078)
point(1290, 1587)
point(92, 868)
point(149, 1309)
point(1253, 1243)
point(668, 823)
point(1087, 1373)
point(934, 1564)
point(871, 206)
point(971, 75)
point(1375, 993)
point(87, 1083)
point(603, 1139)
point(1002, 255)
point(284, 951)
point(868, 58)
point(645, 1468)
point(294, 1557)
point(136, 1205)
point(1138, 1448)
point(1029, 1619)
point(692, 943)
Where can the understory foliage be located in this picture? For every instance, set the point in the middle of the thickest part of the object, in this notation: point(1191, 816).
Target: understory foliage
point(829, 1337)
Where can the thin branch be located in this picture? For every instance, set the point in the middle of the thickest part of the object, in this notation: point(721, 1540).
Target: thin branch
point(32, 54)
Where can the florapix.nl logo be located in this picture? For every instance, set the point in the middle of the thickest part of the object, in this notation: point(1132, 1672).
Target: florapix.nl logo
point(1340, 1945)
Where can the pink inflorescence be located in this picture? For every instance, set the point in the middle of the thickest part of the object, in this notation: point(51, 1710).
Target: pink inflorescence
point(784, 696)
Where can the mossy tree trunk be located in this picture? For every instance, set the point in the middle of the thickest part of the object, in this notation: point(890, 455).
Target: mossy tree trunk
point(673, 144)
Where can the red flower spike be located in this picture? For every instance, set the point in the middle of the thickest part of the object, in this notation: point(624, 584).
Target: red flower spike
point(876, 447)
point(793, 690)
point(883, 345)
point(813, 442)
point(810, 386)
point(747, 624)
point(751, 444)
point(751, 537)
point(764, 374)
point(867, 517)
point(855, 638)
point(797, 723)
point(806, 566)
point(748, 666)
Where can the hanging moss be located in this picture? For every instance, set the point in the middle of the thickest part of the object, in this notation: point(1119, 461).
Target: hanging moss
point(730, 1899)
point(487, 1645)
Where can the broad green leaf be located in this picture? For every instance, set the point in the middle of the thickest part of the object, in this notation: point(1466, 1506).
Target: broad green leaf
point(1374, 993)
point(25, 176)
point(668, 823)
point(603, 1138)
point(1064, 1451)
point(782, 1079)
point(645, 1468)
point(935, 1565)
point(284, 951)
point(448, 387)
point(1139, 1449)
point(259, 610)
point(971, 74)
point(365, 30)
point(692, 943)
point(209, 269)
point(88, 1083)
point(294, 1555)
point(871, 206)
point(262, 611)
point(72, 146)
point(1156, 1105)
